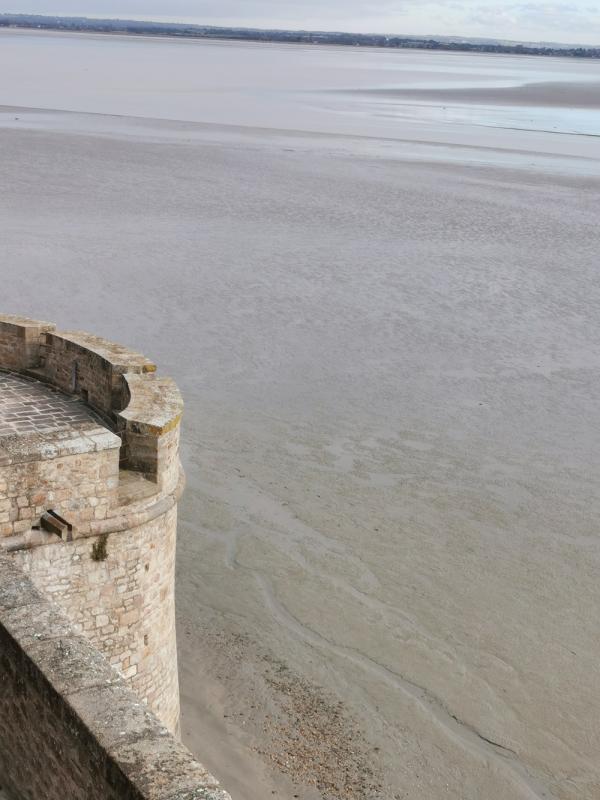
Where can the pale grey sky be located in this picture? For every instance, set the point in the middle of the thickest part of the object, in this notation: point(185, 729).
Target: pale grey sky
point(574, 21)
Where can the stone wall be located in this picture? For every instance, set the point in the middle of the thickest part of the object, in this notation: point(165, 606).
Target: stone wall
point(116, 382)
point(118, 590)
point(20, 340)
point(115, 579)
point(70, 728)
point(83, 364)
point(81, 487)
point(149, 427)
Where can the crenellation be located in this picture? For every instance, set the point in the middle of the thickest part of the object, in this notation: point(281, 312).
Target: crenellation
point(89, 436)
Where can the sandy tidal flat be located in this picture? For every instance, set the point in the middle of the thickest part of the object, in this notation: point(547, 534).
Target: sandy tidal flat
point(388, 560)
point(548, 94)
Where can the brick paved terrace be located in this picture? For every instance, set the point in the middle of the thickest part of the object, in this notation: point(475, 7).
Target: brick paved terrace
point(39, 422)
point(28, 406)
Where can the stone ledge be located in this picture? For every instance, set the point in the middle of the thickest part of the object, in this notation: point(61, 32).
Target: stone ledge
point(118, 749)
point(155, 405)
point(25, 324)
point(16, 590)
point(22, 448)
point(129, 518)
point(200, 794)
point(120, 358)
point(123, 519)
point(49, 623)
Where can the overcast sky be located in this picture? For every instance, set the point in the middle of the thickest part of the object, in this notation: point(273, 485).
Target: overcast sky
point(574, 21)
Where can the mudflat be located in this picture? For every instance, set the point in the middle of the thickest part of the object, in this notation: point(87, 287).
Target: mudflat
point(549, 95)
point(388, 555)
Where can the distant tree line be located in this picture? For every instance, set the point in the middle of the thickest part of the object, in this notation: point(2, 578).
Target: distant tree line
point(296, 37)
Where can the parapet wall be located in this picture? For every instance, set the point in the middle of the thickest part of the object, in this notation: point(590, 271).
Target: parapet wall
point(110, 378)
point(123, 602)
point(81, 486)
point(115, 482)
point(20, 340)
point(70, 728)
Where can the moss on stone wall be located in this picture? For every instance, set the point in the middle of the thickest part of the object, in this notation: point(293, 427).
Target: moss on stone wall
point(99, 548)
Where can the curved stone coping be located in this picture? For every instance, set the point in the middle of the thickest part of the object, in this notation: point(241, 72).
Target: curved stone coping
point(119, 383)
point(90, 366)
point(120, 358)
point(92, 736)
point(155, 404)
point(26, 541)
point(25, 322)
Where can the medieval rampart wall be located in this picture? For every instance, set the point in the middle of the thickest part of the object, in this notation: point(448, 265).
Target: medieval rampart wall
point(70, 726)
point(116, 485)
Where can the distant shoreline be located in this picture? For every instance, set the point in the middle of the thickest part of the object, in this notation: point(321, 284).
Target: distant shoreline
point(186, 31)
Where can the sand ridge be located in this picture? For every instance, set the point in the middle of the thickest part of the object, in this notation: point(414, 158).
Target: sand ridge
point(548, 94)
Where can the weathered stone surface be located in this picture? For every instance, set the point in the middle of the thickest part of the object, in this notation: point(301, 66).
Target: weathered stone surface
point(69, 725)
point(15, 589)
point(89, 618)
point(28, 406)
point(124, 602)
point(46, 624)
point(115, 579)
point(20, 340)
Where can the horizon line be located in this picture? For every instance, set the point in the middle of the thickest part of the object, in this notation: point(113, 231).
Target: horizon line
point(421, 37)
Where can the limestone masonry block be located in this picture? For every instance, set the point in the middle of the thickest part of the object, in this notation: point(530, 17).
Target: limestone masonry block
point(70, 727)
point(89, 436)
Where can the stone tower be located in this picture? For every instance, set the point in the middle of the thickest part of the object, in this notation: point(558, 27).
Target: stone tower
point(89, 483)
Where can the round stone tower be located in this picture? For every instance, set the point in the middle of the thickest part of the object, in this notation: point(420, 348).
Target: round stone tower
point(89, 482)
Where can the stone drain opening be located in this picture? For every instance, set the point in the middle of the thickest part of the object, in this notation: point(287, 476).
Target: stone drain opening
point(51, 522)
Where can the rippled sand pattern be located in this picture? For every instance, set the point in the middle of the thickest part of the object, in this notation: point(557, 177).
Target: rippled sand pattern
point(389, 350)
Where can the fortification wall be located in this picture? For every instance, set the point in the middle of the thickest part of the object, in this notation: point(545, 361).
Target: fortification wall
point(116, 482)
point(20, 339)
point(81, 487)
point(118, 590)
point(70, 727)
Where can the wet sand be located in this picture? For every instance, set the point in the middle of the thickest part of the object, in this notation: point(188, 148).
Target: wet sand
point(390, 372)
point(548, 95)
point(388, 557)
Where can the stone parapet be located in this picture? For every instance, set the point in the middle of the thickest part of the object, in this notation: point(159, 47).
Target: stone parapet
point(90, 477)
point(70, 727)
point(54, 455)
point(20, 340)
point(91, 367)
point(118, 383)
point(149, 425)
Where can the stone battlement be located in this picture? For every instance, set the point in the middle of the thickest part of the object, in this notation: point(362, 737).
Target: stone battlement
point(120, 385)
point(89, 482)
